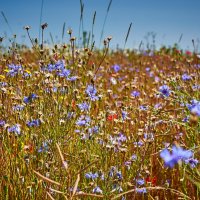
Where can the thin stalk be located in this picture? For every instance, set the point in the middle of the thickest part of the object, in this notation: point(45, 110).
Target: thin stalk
point(80, 21)
point(92, 34)
point(128, 32)
point(41, 13)
point(105, 19)
point(6, 20)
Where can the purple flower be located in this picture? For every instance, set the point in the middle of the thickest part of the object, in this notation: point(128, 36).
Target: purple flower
point(116, 68)
point(119, 175)
point(135, 93)
point(192, 162)
point(64, 73)
point(72, 78)
point(164, 90)
point(15, 129)
point(121, 138)
point(18, 107)
point(97, 189)
point(143, 107)
point(14, 69)
point(83, 120)
point(186, 77)
point(84, 106)
point(91, 175)
point(124, 115)
point(29, 98)
point(60, 65)
point(140, 181)
point(194, 107)
point(44, 147)
point(2, 123)
point(94, 129)
point(33, 123)
point(141, 190)
point(91, 92)
point(175, 156)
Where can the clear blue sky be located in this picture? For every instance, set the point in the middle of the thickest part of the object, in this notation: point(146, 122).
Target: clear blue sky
point(168, 19)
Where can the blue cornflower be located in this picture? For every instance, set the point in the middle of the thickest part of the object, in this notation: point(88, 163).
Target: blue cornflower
point(64, 73)
point(141, 190)
point(117, 187)
point(18, 107)
point(133, 157)
point(124, 115)
point(135, 93)
point(15, 129)
point(140, 181)
point(111, 172)
point(116, 68)
point(2, 123)
point(164, 90)
point(192, 162)
point(33, 123)
point(44, 147)
point(72, 78)
point(186, 119)
point(91, 175)
point(97, 189)
point(29, 98)
point(60, 65)
point(138, 144)
point(186, 77)
point(119, 175)
point(84, 106)
point(143, 107)
point(121, 137)
point(91, 92)
point(83, 120)
point(194, 107)
point(148, 69)
point(14, 69)
point(94, 129)
point(175, 156)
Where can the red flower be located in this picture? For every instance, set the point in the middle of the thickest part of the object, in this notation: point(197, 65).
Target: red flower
point(151, 180)
point(112, 117)
point(189, 53)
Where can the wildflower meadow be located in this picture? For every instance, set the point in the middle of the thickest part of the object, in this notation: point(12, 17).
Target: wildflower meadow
point(78, 122)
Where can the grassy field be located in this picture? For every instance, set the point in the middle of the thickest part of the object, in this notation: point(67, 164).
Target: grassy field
point(83, 123)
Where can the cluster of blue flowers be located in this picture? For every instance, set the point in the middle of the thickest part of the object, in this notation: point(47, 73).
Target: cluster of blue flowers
point(59, 68)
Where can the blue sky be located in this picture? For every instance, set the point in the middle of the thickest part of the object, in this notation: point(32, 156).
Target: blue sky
point(168, 19)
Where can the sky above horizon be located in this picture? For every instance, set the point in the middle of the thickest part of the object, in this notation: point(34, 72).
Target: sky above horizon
point(167, 19)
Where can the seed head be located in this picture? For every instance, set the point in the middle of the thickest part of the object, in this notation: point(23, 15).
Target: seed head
point(43, 26)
